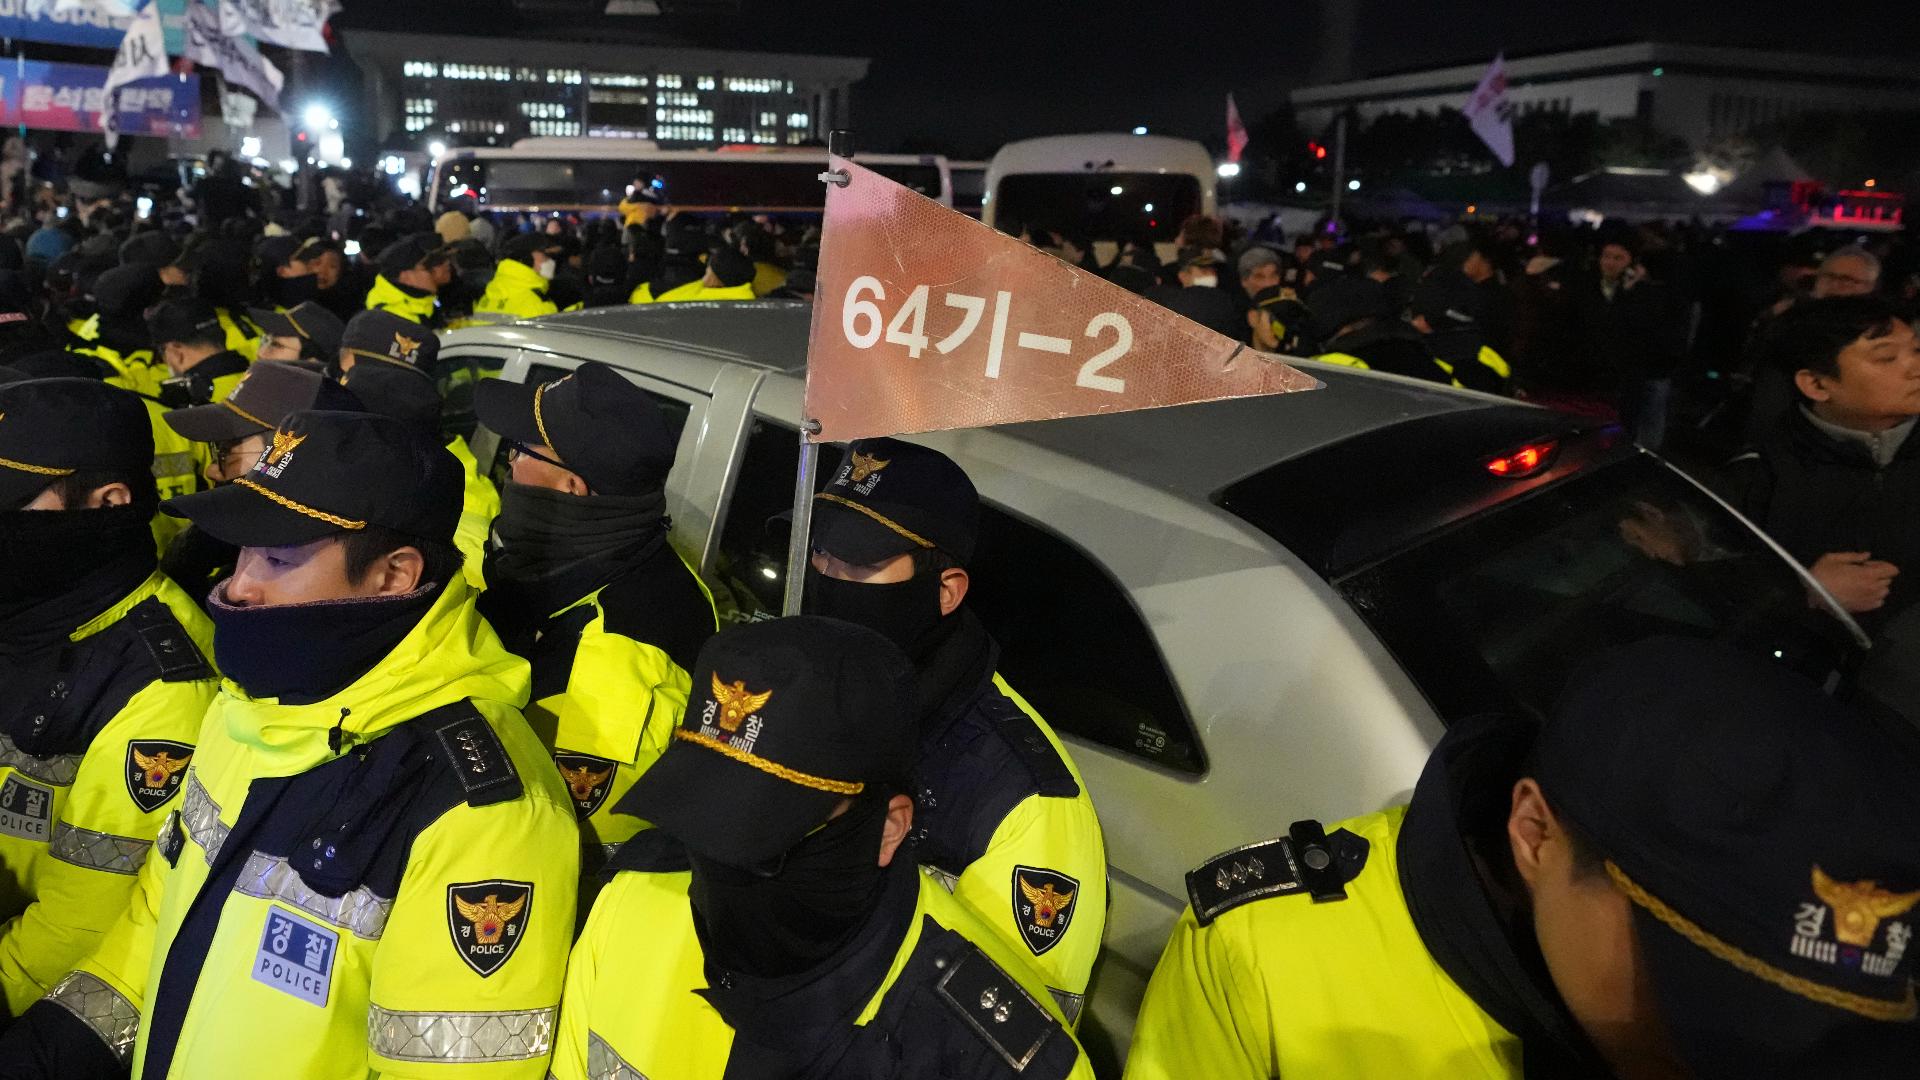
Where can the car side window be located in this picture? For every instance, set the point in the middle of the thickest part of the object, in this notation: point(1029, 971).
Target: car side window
point(1071, 642)
point(456, 377)
point(673, 410)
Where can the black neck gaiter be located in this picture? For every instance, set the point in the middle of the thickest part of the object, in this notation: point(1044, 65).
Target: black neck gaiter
point(63, 567)
point(303, 653)
point(800, 916)
point(906, 613)
point(555, 548)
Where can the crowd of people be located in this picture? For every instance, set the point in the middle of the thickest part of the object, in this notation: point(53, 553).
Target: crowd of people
point(323, 755)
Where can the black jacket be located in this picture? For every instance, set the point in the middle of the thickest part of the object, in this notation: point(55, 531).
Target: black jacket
point(1638, 334)
point(1817, 494)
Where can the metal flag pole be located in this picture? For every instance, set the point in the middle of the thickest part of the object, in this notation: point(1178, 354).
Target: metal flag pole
point(839, 144)
point(1339, 170)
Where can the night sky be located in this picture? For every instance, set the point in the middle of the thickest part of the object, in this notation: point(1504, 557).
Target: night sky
point(965, 77)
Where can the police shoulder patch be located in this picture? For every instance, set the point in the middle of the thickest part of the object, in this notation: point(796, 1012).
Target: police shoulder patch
point(155, 769)
point(487, 920)
point(1305, 860)
point(588, 780)
point(997, 1008)
point(1043, 906)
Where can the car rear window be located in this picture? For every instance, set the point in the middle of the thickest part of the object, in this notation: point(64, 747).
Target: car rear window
point(1495, 610)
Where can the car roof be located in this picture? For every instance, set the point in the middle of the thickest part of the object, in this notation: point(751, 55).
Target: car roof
point(1193, 450)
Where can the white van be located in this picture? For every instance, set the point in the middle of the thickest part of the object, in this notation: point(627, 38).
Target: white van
point(1110, 189)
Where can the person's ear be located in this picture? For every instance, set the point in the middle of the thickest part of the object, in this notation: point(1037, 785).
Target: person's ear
point(114, 494)
point(400, 572)
point(1531, 826)
point(899, 823)
point(953, 589)
point(1812, 385)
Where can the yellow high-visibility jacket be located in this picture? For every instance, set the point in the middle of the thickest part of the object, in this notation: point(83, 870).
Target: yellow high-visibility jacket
point(78, 813)
point(386, 296)
point(517, 291)
point(480, 504)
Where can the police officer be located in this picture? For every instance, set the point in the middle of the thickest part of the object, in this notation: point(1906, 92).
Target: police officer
point(190, 339)
point(1697, 866)
point(772, 925)
point(406, 284)
point(305, 331)
point(103, 673)
point(387, 338)
point(520, 281)
point(372, 870)
point(123, 295)
point(1357, 326)
point(234, 432)
point(584, 583)
point(1003, 816)
point(1448, 309)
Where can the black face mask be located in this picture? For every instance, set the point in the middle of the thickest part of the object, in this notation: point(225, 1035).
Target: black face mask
point(63, 567)
point(906, 613)
point(302, 653)
point(555, 548)
point(801, 915)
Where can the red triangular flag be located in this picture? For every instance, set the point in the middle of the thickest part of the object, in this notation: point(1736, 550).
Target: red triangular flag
point(1236, 131)
point(925, 320)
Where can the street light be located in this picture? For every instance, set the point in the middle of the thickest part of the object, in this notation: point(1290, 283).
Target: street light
point(437, 149)
point(1299, 186)
point(318, 117)
point(1140, 130)
point(1228, 170)
point(1353, 185)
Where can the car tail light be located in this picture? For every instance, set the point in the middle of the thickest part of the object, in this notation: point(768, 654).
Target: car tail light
point(1525, 461)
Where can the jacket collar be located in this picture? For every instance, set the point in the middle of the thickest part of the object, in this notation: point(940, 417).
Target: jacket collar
point(450, 655)
point(516, 274)
point(1883, 447)
point(1471, 914)
point(387, 293)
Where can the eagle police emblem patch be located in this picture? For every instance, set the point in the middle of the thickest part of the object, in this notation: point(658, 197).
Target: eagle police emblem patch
point(1042, 906)
point(588, 781)
point(488, 919)
point(155, 769)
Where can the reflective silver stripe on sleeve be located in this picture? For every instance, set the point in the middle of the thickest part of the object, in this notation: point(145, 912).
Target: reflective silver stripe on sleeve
point(58, 770)
point(271, 877)
point(201, 815)
point(461, 1036)
point(178, 463)
point(1070, 1004)
point(101, 1008)
point(604, 1064)
point(97, 850)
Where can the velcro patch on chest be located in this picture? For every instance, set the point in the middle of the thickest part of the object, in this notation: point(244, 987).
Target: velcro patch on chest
point(26, 809)
point(296, 956)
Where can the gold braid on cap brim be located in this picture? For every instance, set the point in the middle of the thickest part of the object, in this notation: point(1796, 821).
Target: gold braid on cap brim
point(1859, 1004)
point(771, 768)
point(302, 508)
point(43, 470)
point(245, 415)
point(295, 323)
point(540, 421)
point(879, 517)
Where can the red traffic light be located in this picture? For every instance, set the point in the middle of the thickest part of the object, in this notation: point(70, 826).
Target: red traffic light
point(1318, 150)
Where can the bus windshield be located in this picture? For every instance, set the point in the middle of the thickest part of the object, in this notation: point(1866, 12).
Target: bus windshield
point(743, 183)
point(1114, 206)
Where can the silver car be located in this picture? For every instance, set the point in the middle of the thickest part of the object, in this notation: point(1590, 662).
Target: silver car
point(1240, 613)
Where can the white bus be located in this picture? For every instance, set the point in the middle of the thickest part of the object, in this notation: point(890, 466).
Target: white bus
point(1109, 189)
point(591, 176)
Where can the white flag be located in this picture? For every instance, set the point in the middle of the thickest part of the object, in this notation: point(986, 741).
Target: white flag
point(291, 24)
point(1489, 114)
point(142, 55)
point(217, 39)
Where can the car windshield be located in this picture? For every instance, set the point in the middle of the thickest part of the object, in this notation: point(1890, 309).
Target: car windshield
point(1498, 611)
point(1117, 206)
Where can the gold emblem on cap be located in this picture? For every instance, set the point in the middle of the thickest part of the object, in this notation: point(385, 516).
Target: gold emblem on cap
point(865, 465)
point(1858, 906)
point(406, 345)
point(1047, 904)
point(284, 443)
point(736, 703)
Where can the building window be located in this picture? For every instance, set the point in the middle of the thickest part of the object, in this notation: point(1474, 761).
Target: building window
point(420, 69)
point(797, 120)
point(600, 78)
point(667, 82)
point(705, 82)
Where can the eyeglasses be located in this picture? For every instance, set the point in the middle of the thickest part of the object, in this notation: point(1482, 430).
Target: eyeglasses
point(519, 449)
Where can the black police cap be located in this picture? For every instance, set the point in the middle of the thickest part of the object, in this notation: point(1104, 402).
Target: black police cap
point(403, 255)
point(53, 428)
point(785, 720)
point(596, 423)
point(522, 246)
point(1448, 300)
point(889, 498)
point(330, 473)
point(1769, 840)
point(407, 395)
point(730, 266)
point(124, 293)
point(381, 335)
point(183, 320)
point(266, 395)
point(1343, 301)
point(304, 320)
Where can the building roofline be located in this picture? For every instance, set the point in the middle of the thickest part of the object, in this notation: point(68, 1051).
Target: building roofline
point(1618, 59)
point(400, 46)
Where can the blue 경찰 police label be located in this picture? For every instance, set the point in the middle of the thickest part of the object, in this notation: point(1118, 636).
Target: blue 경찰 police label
point(296, 956)
point(26, 809)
